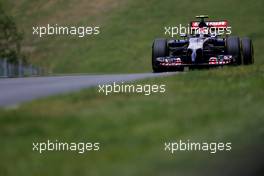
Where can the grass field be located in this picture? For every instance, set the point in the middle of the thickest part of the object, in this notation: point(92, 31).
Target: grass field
point(216, 105)
point(207, 105)
point(128, 29)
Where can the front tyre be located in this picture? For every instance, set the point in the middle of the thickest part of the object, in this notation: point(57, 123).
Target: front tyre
point(233, 48)
point(159, 49)
point(247, 51)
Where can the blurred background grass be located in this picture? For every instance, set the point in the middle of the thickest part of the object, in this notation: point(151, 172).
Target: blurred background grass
point(208, 105)
point(127, 29)
point(222, 105)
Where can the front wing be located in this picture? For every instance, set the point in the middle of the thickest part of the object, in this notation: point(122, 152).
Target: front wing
point(172, 61)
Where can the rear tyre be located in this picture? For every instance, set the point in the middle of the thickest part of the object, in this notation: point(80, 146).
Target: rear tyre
point(233, 48)
point(247, 51)
point(159, 49)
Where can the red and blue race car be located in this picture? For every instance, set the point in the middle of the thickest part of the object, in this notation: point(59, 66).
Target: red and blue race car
point(203, 47)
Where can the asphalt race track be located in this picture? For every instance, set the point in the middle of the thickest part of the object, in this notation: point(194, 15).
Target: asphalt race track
point(14, 91)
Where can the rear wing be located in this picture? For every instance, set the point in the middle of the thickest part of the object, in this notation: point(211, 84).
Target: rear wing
point(211, 24)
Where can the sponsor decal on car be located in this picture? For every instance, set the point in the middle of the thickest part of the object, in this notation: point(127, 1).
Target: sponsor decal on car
point(221, 60)
point(216, 24)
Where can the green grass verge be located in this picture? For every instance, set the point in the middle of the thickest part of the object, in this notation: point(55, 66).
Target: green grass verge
point(128, 30)
point(211, 105)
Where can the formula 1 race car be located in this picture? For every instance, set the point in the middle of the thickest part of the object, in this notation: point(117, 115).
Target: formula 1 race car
point(203, 47)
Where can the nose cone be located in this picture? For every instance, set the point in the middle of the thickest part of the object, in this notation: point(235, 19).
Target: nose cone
point(193, 55)
point(195, 46)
